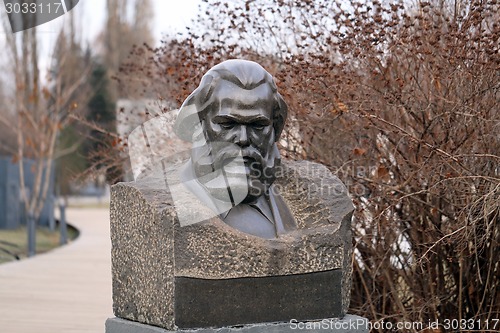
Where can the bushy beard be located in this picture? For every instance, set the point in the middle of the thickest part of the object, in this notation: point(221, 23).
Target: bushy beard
point(224, 168)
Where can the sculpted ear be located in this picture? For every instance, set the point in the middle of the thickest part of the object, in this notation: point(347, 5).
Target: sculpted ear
point(279, 118)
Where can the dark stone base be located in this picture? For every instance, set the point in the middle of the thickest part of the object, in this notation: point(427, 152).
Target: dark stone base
point(230, 302)
point(348, 324)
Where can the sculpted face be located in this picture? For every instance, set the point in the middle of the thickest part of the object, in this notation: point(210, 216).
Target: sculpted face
point(234, 119)
point(242, 117)
point(239, 125)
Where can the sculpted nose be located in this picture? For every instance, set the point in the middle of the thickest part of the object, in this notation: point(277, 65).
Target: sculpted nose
point(242, 137)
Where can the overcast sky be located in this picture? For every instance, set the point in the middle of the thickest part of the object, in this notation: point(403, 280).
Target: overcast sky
point(171, 16)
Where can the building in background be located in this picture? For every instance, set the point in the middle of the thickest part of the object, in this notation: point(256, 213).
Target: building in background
point(12, 214)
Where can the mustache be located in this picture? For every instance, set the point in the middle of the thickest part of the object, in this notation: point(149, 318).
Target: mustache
point(249, 155)
point(208, 159)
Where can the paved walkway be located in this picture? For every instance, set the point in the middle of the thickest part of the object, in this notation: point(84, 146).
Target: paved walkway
point(63, 291)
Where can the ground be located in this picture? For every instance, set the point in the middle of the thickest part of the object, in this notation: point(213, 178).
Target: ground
point(14, 243)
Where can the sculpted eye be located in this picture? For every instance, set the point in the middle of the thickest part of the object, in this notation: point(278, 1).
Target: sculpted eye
point(226, 125)
point(259, 125)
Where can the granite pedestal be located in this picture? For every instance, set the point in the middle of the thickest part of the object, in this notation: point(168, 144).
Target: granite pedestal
point(210, 275)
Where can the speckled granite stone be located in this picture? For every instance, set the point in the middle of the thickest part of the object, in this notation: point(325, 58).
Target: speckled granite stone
point(151, 252)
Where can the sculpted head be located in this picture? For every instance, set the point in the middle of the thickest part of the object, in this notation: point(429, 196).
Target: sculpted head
point(234, 119)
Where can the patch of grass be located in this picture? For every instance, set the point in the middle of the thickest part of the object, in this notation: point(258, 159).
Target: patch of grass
point(14, 243)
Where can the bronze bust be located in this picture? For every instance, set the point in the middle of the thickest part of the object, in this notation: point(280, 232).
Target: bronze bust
point(234, 120)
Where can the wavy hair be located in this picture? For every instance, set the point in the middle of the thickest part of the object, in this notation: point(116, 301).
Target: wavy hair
point(243, 73)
